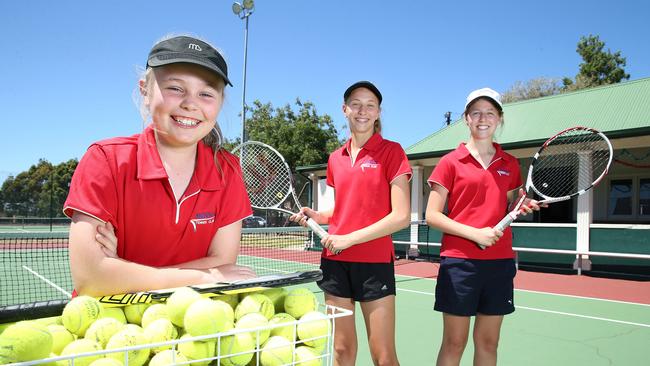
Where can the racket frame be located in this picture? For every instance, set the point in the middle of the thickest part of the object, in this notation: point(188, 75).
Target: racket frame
point(530, 187)
point(313, 225)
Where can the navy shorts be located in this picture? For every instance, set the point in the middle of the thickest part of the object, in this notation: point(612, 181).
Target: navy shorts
point(466, 287)
point(356, 280)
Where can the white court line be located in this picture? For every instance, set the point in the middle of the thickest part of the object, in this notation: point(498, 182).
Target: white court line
point(583, 316)
point(584, 297)
point(272, 269)
point(274, 260)
point(551, 293)
point(63, 291)
point(550, 311)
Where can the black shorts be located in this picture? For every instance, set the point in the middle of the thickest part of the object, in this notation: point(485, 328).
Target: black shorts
point(356, 280)
point(466, 287)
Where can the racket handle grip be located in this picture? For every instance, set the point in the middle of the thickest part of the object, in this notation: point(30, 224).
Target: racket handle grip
point(316, 228)
point(505, 222)
point(502, 225)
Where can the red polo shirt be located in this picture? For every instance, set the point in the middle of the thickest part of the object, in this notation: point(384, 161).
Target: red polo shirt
point(362, 195)
point(477, 197)
point(122, 181)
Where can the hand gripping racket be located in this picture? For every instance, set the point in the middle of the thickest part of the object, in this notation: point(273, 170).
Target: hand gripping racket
point(14, 313)
point(267, 178)
point(567, 165)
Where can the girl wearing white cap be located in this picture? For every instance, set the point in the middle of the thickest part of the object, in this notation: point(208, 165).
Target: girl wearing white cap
point(370, 176)
point(162, 208)
point(476, 182)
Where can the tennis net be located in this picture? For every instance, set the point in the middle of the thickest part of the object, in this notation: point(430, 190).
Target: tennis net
point(34, 266)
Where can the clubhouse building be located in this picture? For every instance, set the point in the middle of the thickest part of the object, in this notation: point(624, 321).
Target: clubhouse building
point(610, 223)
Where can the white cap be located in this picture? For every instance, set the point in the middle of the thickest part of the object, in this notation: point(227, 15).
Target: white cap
point(484, 92)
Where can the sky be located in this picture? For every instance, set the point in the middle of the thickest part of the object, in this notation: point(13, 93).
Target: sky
point(70, 67)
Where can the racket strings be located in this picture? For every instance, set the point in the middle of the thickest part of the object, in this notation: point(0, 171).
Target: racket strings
point(266, 176)
point(570, 163)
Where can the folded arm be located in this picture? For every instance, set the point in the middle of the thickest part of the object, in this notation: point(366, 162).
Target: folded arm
point(97, 270)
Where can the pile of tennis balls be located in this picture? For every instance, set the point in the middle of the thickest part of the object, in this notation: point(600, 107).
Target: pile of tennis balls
point(85, 326)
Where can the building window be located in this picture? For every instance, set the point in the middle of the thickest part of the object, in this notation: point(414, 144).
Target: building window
point(644, 197)
point(620, 197)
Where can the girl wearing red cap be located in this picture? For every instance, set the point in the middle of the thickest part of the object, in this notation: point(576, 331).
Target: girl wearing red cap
point(162, 208)
point(477, 181)
point(370, 177)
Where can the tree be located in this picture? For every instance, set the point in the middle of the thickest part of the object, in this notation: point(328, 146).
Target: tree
point(302, 137)
point(40, 191)
point(534, 88)
point(599, 67)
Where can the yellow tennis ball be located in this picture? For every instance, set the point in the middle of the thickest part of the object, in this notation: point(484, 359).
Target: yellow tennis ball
point(61, 337)
point(25, 341)
point(237, 343)
point(320, 348)
point(79, 313)
point(168, 357)
point(277, 296)
point(153, 312)
point(307, 356)
point(230, 299)
point(101, 330)
point(196, 350)
point(313, 329)
point(178, 303)
point(105, 361)
point(134, 312)
point(51, 363)
point(288, 331)
point(161, 330)
point(255, 320)
point(115, 313)
point(133, 328)
point(4, 326)
point(50, 320)
point(255, 303)
point(129, 338)
point(276, 351)
point(300, 301)
point(80, 346)
point(206, 316)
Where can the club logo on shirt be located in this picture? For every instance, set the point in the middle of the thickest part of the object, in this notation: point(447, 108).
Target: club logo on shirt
point(502, 173)
point(370, 164)
point(202, 218)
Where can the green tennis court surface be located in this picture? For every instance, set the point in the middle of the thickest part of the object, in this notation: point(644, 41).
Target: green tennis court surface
point(546, 329)
point(34, 224)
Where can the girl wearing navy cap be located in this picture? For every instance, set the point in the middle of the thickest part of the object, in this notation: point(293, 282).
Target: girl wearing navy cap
point(477, 181)
point(370, 177)
point(162, 208)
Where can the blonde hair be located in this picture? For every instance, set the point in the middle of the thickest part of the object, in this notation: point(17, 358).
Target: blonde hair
point(214, 138)
point(378, 126)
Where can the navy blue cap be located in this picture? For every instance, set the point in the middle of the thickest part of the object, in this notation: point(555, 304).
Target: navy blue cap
point(362, 84)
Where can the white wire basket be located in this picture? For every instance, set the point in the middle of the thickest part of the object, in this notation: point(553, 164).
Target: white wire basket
point(325, 358)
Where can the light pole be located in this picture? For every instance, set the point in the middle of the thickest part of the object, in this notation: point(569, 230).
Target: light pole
point(243, 10)
point(51, 198)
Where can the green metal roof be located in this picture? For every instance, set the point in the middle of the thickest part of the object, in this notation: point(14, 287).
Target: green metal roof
point(618, 110)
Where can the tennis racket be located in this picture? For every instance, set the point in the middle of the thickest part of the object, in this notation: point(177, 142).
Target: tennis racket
point(267, 178)
point(14, 313)
point(567, 165)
